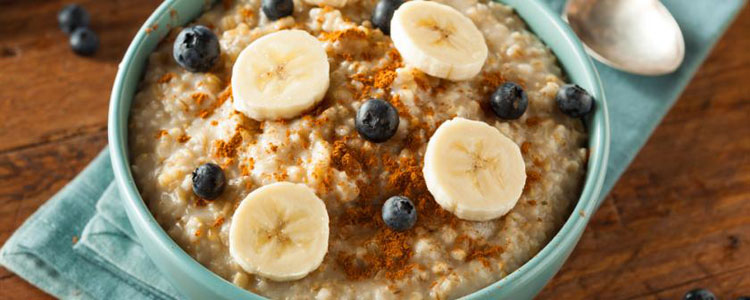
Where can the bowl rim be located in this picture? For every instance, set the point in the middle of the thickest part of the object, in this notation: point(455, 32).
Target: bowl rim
point(571, 230)
point(590, 197)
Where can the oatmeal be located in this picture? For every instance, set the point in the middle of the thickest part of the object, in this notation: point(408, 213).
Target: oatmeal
point(182, 120)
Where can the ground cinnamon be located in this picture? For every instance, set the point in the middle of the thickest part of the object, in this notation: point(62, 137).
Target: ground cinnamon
point(525, 147)
point(393, 250)
point(218, 222)
point(228, 149)
point(184, 138)
point(161, 133)
point(349, 33)
point(223, 96)
point(533, 121)
point(344, 158)
point(199, 97)
point(478, 250)
point(247, 13)
point(226, 4)
point(166, 77)
point(380, 78)
point(532, 177)
point(388, 253)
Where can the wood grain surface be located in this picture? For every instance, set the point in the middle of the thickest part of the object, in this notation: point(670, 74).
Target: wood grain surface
point(678, 219)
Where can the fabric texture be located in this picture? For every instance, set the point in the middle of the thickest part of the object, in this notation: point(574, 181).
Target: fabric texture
point(80, 245)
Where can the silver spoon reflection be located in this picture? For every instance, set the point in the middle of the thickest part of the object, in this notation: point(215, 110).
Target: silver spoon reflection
point(637, 36)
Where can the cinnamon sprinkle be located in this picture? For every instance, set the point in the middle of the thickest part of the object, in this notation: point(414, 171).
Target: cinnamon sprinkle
point(381, 77)
point(161, 133)
point(349, 33)
point(228, 149)
point(533, 121)
point(345, 159)
point(247, 13)
point(152, 28)
point(531, 178)
point(246, 169)
point(478, 250)
point(403, 111)
point(492, 80)
point(393, 250)
point(420, 79)
point(525, 146)
point(166, 77)
point(393, 259)
point(219, 221)
point(183, 138)
point(199, 97)
point(223, 96)
point(226, 4)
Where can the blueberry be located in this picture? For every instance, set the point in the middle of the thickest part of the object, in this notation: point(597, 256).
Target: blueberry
point(84, 41)
point(208, 181)
point(399, 213)
point(72, 16)
point(277, 9)
point(377, 120)
point(196, 48)
point(509, 101)
point(381, 17)
point(574, 101)
point(699, 294)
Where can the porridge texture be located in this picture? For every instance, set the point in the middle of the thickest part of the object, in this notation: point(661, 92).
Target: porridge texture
point(180, 120)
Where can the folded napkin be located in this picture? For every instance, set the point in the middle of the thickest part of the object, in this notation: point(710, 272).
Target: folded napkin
point(79, 244)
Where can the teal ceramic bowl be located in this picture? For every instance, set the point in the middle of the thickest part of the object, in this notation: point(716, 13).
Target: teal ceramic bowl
point(196, 282)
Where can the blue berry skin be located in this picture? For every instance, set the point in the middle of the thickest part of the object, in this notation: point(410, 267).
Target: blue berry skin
point(699, 294)
point(399, 213)
point(574, 101)
point(376, 120)
point(71, 17)
point(208, 181)
point(84, 41)
point(383, 13)
point(509, 101)
point(277, 9)
point(196, 49)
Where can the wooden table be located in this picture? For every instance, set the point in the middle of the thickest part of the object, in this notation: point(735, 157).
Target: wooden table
point(678, 219)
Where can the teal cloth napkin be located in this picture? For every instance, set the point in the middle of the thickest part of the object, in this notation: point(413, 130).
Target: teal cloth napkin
point(79, 244)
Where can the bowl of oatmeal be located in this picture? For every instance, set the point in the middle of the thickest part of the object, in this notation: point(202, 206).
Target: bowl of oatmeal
point(453, 161)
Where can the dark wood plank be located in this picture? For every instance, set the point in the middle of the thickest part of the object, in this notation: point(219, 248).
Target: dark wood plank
point(48, 92)
point(15, 288)
point(54, 106)
point(27, 179)
point(679, 218)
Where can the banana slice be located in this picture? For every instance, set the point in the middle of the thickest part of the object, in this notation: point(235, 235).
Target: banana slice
point(280, 75)
point(280, 231)
point(438, 40)
point(473, 170)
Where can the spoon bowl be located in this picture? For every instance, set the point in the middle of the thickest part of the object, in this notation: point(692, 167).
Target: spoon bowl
point(637, 36)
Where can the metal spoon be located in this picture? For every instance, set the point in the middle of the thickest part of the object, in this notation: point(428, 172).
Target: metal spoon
point(637, 36)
